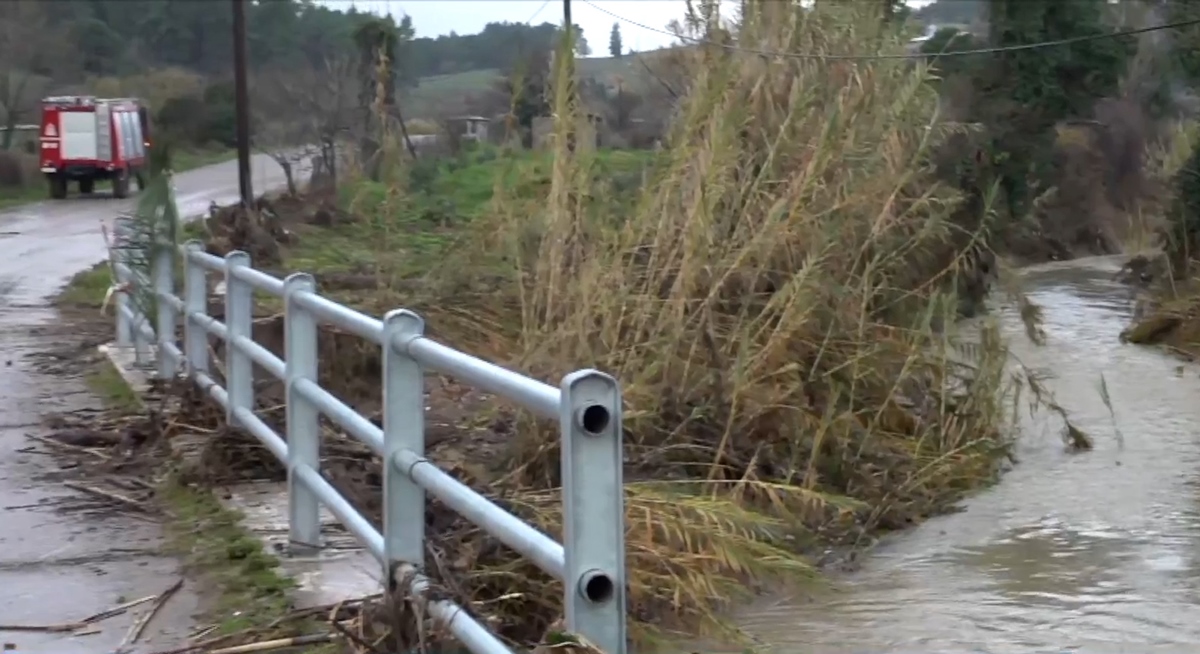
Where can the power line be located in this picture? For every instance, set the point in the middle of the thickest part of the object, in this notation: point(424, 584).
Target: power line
point(914, 55)
point(537, 13)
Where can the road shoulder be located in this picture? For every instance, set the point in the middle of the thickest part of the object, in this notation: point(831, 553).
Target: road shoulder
point(250, 594)
point(66, 554)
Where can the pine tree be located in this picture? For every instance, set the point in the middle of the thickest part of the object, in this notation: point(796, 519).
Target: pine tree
point(614, 41)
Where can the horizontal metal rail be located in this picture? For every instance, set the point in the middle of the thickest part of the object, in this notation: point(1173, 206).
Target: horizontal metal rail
point(587, 404)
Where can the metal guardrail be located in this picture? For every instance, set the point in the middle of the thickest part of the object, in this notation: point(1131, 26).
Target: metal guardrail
point(587, 404)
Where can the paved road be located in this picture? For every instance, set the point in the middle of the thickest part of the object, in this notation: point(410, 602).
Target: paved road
point(56, 568)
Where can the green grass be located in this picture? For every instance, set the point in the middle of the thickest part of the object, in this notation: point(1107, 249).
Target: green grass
point(436, 97)
point(15, 197)
point(215, 546)
point(183, 160)
point(87, 288)
point(107, 383)
point(402, 234)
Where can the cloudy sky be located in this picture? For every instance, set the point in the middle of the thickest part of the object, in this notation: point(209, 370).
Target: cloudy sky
point(437, 17)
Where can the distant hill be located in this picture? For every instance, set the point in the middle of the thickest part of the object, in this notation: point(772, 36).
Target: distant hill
point(956, 12)
point(438, 96)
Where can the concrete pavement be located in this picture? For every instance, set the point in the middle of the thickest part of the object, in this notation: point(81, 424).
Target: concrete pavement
point(57, 568)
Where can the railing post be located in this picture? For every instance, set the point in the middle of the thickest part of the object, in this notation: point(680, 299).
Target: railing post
point(239, 321)
point(403, 429)
point(124, 333)
point(120, 299)
point(593, 509)
point(121, 305)
point(165, 321)
point(195, 301)
point(303, 426)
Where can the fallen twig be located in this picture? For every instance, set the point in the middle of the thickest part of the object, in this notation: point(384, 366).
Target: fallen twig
point(141, 624)
point(108, 495)
point(81, 624)
point(116, 610)
point(196, 645)
point(196, 636)
point(360, 644)
point(278, 643)
point(67, 446)
point(44, 628)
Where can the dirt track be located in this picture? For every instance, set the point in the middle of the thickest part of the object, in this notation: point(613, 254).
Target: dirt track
point(55, 566)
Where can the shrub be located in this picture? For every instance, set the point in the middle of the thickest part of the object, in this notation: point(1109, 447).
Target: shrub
point(201, 119)
point(18, 170)
point(769, 298)
point(1183, 235)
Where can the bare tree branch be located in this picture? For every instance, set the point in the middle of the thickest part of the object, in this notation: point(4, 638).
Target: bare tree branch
point(304, 112)
point(25, 60)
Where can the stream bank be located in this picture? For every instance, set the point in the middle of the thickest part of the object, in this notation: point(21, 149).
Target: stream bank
point(1083, 550)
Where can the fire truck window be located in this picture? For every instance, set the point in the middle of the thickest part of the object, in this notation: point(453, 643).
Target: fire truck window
point(119, 130)
point(127, 135)
point(135, 132)
point(139, 138)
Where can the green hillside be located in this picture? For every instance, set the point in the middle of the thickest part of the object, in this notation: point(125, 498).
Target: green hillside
point(439, 95)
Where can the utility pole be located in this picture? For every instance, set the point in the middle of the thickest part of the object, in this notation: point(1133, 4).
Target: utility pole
point(569, 64)
point(242, 103)
point(570, 33)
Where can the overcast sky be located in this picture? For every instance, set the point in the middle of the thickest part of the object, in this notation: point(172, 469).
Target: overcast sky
point(437, 17)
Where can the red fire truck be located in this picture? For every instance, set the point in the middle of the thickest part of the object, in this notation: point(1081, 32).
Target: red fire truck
point(85, 139)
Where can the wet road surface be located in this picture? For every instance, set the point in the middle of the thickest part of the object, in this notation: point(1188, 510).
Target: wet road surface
point(54, 567)
point(1095, 552)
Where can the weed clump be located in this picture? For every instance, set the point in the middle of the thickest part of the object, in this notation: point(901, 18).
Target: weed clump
point(774, 301)
point(777, 290)
point(1169, 312)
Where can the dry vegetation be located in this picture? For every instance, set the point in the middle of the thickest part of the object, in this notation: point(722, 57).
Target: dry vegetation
point(770, 301)
point(1168, 312)
point(20, 178)
point(773, 290)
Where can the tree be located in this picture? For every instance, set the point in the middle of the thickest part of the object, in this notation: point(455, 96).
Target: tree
point(305, 111)
point(379, 42)
point(1183, 218)
point(581, 44)
point(1027, 92)
point(25, 63)
point(1182, 244)
point(614, 41)
point(524, 88)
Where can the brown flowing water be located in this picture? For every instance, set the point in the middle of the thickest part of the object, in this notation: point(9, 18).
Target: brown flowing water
point(1092, 552)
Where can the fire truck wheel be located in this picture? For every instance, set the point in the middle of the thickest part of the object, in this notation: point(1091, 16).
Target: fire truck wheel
point(120, 186)
point(87, 185)
point(58, 186)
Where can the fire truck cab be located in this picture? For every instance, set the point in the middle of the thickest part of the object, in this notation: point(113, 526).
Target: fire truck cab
point(85, 139)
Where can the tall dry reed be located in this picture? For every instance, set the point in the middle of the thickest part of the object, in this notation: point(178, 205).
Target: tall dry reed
point(773, 300)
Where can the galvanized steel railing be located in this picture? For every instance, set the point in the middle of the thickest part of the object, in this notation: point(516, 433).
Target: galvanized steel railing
point(587, 404)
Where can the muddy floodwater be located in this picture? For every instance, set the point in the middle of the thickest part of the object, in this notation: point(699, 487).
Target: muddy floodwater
point(1096, 552)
